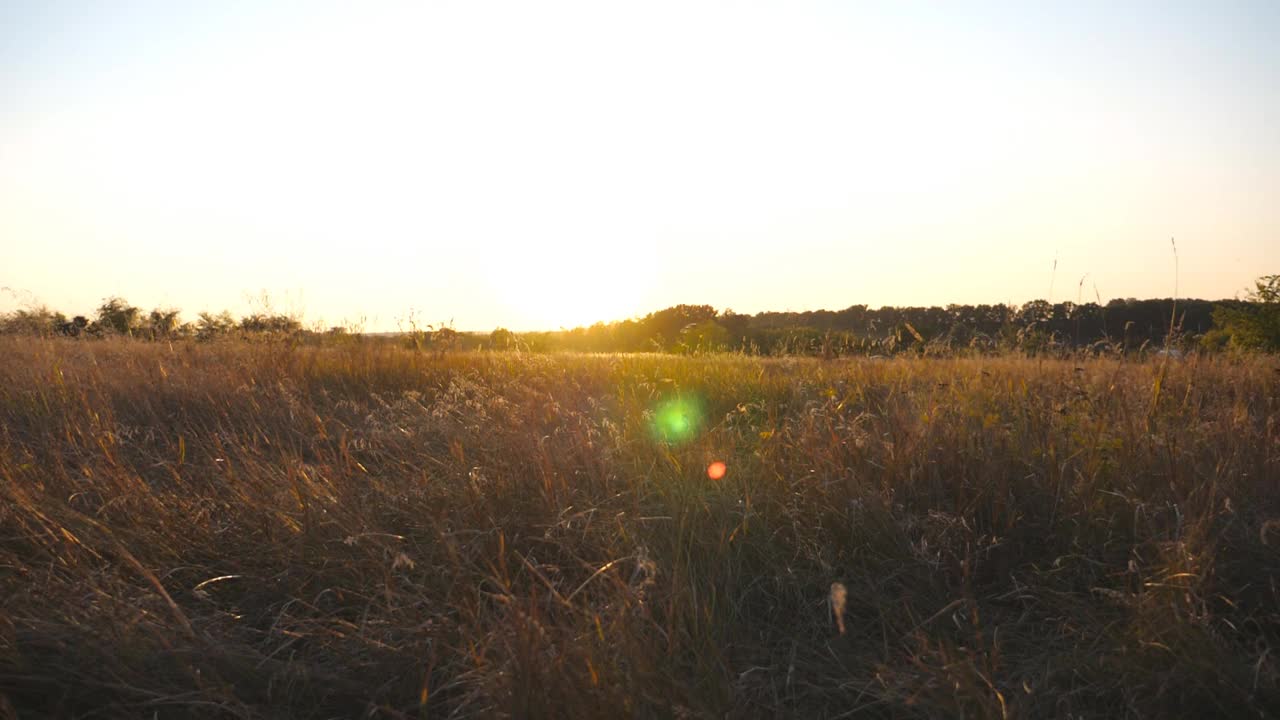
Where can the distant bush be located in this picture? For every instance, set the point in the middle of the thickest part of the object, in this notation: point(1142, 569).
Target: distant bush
point(502, 339)
point(443, 339)
point(162, 323)
point(210, 326)
point(276, 324)
point(32, 321)
point(118, 316)
point(1250, 326)
point(705, 336)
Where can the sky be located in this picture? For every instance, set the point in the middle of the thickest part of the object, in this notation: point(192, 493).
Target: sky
point(535, 165)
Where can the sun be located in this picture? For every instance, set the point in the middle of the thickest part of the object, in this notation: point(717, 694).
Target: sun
point(572, 286)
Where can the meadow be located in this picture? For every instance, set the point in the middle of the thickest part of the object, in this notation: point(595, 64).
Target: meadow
point(263, 529)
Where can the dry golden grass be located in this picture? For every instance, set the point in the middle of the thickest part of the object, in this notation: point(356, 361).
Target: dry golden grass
point(258, 530)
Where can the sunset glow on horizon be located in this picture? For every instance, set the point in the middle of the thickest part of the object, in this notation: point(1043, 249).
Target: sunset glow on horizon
point(539, 165)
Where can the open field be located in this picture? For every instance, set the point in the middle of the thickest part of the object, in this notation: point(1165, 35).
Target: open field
point(257, 530)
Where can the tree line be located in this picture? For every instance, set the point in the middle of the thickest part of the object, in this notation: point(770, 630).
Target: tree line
point(116, 317)
point(1037, 326)
point(1128, 325)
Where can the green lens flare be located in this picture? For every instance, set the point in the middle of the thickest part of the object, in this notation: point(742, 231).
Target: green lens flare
point(677, 421)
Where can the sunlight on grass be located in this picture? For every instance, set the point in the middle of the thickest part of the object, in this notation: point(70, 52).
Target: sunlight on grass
point(268, 529)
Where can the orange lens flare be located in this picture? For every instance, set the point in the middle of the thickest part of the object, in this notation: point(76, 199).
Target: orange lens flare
point(716, 470)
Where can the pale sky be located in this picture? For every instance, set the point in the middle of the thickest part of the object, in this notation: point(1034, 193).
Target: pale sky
point(545, 164)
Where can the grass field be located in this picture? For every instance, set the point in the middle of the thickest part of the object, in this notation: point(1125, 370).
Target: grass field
point(257, 530)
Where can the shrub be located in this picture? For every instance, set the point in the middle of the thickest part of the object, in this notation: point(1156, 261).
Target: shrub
point(1255, 325)
point(118, 316)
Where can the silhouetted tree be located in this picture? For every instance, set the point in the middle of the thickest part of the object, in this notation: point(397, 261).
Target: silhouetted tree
point(162, 323)
point(73, 327)
point(210, 326)
point(706, 336)
point(32, 321)
point(262, 323)
point(1256, 325)
point(118, 316)
point(502, 339)
point(443, 340)
point(665, 326)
